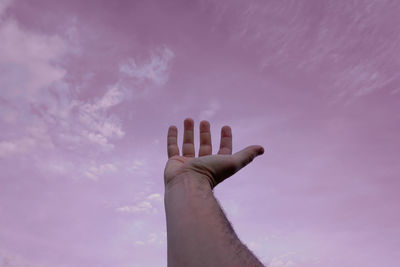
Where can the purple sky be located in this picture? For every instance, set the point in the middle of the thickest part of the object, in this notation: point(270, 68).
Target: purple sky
point(89, 88)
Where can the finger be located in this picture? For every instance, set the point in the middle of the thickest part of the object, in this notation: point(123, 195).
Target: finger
point(246, 155)
point(205, 139)
point(188, 139)
point(226, 141)
point(172, 145)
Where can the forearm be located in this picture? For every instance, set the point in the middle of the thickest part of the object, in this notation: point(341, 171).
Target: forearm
point(198, 232)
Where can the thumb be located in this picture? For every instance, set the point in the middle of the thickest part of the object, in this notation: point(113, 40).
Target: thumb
point(246, 155)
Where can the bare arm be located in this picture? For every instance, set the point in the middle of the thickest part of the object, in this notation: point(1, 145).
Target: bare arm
point(198, 232)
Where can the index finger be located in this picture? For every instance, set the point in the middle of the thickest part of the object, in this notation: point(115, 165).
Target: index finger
point(172, 144)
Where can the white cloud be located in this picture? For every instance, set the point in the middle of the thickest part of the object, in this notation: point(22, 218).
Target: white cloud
point(156, 70)
point(90, 122)
point(152, 239)
point(359, 80)
point(97, 138)
point(95, 171)
point(143, 206)
point(208, 113)
point(28, 62)
point(30, 76)
point(58, 165)
point(146, 206)
point(94, 116)
point(17, 147)
point(155, 197)
point(111, 98)
point(137, 164)
point(284, 260)
point(139, 167)
point(39, 131)
point(41, 110)
point(32, 135)
point(28, 68)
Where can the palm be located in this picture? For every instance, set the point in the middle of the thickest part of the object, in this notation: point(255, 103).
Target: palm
point(213, 168)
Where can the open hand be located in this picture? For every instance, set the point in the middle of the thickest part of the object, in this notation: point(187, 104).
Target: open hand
point(206, 167)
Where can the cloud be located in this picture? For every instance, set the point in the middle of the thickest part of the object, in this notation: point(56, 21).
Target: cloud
point(361, 79)
point(349, 62)
point(155, 197)
point(31, 135)
point(73, 33)
point(138, 167)
point(94, 172)
point(28, 62)
point(17, 147)
point(213, 107)
point(144, 206)
point(87, 122)
point(95, 124)
point(152, 238)
point(29, 66)
point(57, 165)
point(4, 4)
point(37, 102)
point(284, 260)
point(156, 70)
point(137, 164)
point(44, 115)
point(111, 98)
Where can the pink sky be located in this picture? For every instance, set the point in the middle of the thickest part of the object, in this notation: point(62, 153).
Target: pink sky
point(89, 88)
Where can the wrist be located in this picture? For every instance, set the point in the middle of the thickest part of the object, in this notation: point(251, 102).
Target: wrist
point(190, 182)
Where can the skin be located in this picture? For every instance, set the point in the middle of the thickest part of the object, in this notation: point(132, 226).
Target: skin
point(198, 232)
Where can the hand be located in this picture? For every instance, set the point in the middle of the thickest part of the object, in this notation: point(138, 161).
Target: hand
point(207, 167)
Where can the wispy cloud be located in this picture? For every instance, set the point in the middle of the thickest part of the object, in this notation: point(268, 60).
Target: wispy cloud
point(360, 80)
point(155, 197)
point(3, 6)
point(144, 206)
point(95, 124)
point(148, 205)
point(28, 62)
point(17, 147)
point(95, 171)
point(138, 167)
point(209, 112)
point(41, 112)
point(155, 70)
point(152, 239)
